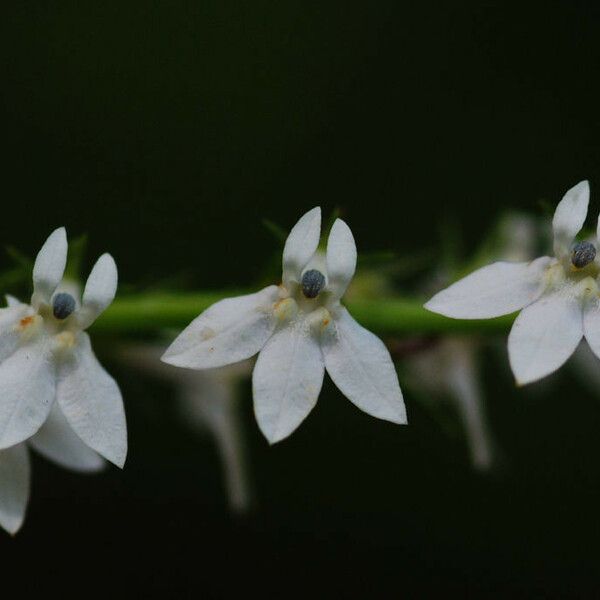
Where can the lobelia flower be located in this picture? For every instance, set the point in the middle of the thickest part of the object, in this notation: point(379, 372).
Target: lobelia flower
point(300, 328)
point(46, 358)
point(56, 441)
point(558, 296)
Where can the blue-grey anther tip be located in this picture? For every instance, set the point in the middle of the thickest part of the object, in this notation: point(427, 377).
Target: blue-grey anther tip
point(63, 305)
point(313, 282)
point(582, 254)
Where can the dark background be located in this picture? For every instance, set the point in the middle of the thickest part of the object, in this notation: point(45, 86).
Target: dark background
point(167, 131)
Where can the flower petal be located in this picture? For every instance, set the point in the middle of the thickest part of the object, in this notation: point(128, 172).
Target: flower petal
point(100, 290)
point(57, 441)
point(492, 291)
point(210, 401)
point(14, 486)
point(229, 331)
point(569, 216)
point(545, 334)
point(49, 266)
point(9, 327)
point(11, 301)
point(463, 382)
point(27, 391)
point(341, 257)
point(287, 380)
point(361, 367)
point(301, 244)
point(91, 401)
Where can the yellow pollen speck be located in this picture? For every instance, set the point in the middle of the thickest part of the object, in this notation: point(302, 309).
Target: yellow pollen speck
point(588, 286)
point(320, 320)
point(27, 326)
point(65, 340)
point(285, 309)
point(26, 321)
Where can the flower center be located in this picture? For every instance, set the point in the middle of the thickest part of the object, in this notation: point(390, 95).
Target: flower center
point(582, 254)
point(313, 282)
point(63, 305)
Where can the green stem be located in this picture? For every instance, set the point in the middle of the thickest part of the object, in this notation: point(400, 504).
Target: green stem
point(151, 312)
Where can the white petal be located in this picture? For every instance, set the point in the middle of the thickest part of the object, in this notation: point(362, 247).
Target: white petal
point(91, 401)
point(57, 441)
point(463, 381)
point(286, 381)
point(210, 401)
point(14, 486)
point(49, 266)
point(341, 257)
point(229, 331)
point(361, 367)
point(569, 216)
point(100, 290)
point(12, 301)
point(9, 327)
point(498, 289)
point(301, 244)
point(545, 334)
point(27, 391)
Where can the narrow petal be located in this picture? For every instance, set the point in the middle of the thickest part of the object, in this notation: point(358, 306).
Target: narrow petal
point(498, 289)
point(11, 301)
point(341, 257)
point(14, 487)
point(569, 216)
point(286, 381)
point(301, 244)
point(57, 441)
point(49, 266)
point(91, 401)
point(27, 391)
point(229, 331)
point(545, 334)
point(362, 368)
point(100, 290)
point(9, 327)
point(463, 382)
point(210, 401)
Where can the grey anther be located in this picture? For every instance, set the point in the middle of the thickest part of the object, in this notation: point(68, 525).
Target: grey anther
point(313, 282)
point(583, 254)
point(63, 305)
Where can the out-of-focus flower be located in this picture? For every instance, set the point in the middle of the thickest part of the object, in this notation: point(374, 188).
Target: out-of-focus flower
point(448, 369)
point(559, 296)
point(208, 401)
point(300, 328)
point(56, 441)
point(46, 356)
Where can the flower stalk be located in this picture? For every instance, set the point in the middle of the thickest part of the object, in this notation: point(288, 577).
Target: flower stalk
point(150, 312)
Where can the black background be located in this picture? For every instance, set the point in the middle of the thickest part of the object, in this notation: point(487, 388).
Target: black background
point(167, 131)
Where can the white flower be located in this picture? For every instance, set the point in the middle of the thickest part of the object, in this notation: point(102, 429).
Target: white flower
point(56, 441)
point(300, 328)
point(209, 402)
point(449, 368)
point(46, 356)
point(558, 295)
